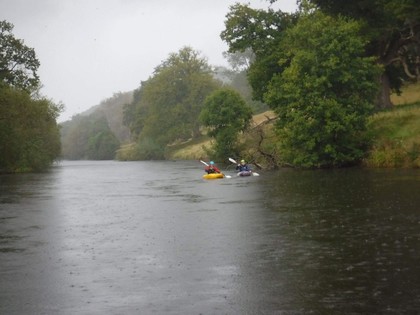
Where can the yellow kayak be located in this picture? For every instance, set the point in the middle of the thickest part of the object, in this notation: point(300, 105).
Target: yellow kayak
point(213, 176)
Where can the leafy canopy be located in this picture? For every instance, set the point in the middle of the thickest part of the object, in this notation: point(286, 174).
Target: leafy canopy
point(261, 32)
point(29, 134)
point(88, 137)
point(18, 63)
point(393, 30)
point(325, 94)
point(166, 106)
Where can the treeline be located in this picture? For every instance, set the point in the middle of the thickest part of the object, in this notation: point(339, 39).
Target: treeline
point(98, 133)
point(163, 111)
point(168, 108)
point(323, 70)
point(29, 134)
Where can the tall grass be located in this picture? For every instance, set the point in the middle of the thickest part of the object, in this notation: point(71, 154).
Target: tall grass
point(410, 95)
point(396, 138)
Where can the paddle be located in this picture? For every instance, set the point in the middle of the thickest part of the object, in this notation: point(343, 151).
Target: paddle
point(234, 162)
point(227, 176)
point(204, 163)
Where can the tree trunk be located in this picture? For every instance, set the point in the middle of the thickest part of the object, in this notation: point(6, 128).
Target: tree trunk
point(384, 97)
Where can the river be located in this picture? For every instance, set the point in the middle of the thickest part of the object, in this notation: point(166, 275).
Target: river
point(155, 238)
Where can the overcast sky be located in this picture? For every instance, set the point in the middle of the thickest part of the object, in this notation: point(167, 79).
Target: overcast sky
point(91, 49)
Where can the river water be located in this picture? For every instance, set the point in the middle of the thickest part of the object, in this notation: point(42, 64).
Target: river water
point(155, 238)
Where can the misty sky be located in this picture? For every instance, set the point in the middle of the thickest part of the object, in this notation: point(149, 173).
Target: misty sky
point(91, 49)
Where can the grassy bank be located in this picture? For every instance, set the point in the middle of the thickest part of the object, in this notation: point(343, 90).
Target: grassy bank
point(198, 149)
point(396, 132)
point(396, 138)
point(192, 150)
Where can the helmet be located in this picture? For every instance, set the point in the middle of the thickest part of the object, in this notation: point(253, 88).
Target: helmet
point(243, 161)
point(211, 162)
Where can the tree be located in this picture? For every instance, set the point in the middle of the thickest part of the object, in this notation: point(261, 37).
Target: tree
point(325, 94)
point(393, 30)
point(18, 63)
point(89, 137)
point(102, 146)
point(226, 114)
point(136, 112)
point(29, 134)
point(261, 32)
point(167, 105)
point(237, 77)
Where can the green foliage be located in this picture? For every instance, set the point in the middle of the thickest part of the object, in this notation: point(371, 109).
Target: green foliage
point(226, 114)
point(166, 107)
point(135, 113)
point(88, 137)
point(325, 94)
point(112, 108)
point(261, 31)
point(149, 149)
point(102, 146)
point(392, 27)
point(29, 135)
point(18, 63)
point(97, 133)
point(237, 79)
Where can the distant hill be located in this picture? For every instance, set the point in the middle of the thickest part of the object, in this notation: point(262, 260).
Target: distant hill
point(98, 129)
point(113, 110)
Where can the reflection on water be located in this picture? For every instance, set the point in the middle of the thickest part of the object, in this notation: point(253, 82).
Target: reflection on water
point(153, 237)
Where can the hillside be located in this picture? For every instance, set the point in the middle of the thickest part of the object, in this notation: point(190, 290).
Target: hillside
point(99, 129)
point(113, 110)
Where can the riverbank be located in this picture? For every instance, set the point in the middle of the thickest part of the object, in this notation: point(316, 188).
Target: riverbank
point(395, 137)
point(199, 148)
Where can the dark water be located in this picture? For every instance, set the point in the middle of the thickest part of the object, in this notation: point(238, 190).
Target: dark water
point(154, 238)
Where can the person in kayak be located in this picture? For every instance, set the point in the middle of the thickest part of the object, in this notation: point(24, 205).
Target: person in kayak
point(211, 168)
point(243, 167)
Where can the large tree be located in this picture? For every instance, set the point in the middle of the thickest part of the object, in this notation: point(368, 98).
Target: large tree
point(261, 32)
point(29, 135)
point(325, 94)
point(167, 105)
point(18, 62)
point(393, 29)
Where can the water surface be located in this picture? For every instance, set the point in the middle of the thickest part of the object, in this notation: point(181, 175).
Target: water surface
point(155, 238)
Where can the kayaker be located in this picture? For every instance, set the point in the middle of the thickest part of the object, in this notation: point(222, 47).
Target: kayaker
point(243, 167)
point(211, 168)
